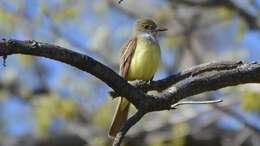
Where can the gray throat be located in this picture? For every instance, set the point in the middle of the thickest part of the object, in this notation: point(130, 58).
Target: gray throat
point(148, 36)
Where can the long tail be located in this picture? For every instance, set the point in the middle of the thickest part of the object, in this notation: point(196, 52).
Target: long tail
point(120, 116)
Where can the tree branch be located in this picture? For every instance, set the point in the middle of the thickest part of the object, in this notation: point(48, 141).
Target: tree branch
point(127, 125)
point(120, 1)
point(237, 116)
point(250, 19)
point(80, 61)
point(193, 71)
point(244, 73)
point(196, 80)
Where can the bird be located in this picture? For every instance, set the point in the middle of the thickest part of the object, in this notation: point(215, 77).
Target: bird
point(139, 59)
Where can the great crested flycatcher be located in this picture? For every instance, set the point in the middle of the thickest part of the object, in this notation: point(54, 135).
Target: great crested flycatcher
point(139, 60)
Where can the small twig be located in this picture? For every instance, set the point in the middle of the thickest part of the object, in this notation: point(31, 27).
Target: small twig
point(127, 125)
point(196, 102)
point(4, 60)
point(120, 1)
point(4, 54)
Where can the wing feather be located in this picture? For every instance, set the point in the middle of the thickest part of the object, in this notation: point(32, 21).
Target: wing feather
point(126, 56)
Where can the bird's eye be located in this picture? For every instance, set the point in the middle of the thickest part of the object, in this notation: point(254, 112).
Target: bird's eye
point(146, 26)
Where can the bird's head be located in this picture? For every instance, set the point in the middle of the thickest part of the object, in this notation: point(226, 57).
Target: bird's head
point(147, 26)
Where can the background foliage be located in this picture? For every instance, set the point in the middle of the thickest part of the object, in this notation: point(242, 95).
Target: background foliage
point(55, 104)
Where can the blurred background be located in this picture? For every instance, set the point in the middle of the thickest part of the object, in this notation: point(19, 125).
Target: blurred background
point(47, 103)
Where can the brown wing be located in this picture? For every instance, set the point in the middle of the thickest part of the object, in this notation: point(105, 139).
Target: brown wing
point(126, 55)
point(123, 106)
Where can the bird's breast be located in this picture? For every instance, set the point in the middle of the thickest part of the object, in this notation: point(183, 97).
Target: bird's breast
point(145, 59)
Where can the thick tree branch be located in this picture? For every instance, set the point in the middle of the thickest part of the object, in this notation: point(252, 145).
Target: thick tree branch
point(193, 71)
point(199, 79)
point(80, 61)
point(196, 80)
point(244, 73)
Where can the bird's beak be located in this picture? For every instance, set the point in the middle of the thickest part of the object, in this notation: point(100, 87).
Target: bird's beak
point(160, 29)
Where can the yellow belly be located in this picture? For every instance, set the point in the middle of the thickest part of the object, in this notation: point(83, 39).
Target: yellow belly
point(145, 60)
